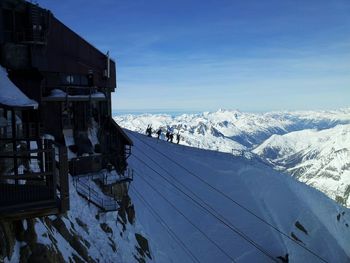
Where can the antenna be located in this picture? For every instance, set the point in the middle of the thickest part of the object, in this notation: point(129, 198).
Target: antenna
point(108, 65)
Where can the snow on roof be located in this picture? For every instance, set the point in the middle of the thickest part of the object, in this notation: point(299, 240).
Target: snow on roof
point(58, 93)
point(12, 96)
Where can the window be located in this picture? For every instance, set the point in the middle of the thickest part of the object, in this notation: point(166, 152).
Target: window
point(74, 80)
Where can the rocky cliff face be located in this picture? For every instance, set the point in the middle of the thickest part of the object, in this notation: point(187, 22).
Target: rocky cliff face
point(84, 234)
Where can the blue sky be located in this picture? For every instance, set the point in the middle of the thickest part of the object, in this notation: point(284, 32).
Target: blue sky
point(250, 55)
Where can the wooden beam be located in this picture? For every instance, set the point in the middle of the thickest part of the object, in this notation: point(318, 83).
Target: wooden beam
point(24, 154)
point(26, 176)
point(63, 178)
point(14, 143)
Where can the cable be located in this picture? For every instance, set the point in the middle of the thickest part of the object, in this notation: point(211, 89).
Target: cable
point(233, 201)
point(187, 219)
point(166, 226)
point(229, 225)
point(235, 229)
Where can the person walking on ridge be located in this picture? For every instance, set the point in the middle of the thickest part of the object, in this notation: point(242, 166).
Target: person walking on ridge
point(159, 132)
point(178, 137)
point(149, 131)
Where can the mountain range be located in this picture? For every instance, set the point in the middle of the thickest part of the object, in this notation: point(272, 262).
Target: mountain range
point(312, 146)
point(187, 204)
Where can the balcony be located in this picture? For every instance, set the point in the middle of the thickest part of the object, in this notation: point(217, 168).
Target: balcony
point(74, 93)
point(33, 178)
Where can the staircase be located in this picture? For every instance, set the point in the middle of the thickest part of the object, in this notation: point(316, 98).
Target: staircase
point(85, 190)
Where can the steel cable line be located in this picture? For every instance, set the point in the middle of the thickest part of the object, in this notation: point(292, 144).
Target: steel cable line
point(166, 226)
point(187, 219)
point(226, 221)
point(232, 200)
point(229, 225)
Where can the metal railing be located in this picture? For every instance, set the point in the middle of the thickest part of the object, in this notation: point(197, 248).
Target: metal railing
point(92, 196)
point(107, 179)
point(28, 174)
point(30, 177)
point(26, 36)
point(26, 130)
point(74, 91)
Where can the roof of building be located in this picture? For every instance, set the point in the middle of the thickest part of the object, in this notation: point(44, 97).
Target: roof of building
point(11, 96)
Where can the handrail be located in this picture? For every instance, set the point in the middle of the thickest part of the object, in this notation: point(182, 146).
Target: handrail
point(20, 153)
point(94, 197)
point(26, 35)
point(87, 186)
point(28, 128)
point(18, 139)
point(49, 182)
point(26, 176)
point(67, 88)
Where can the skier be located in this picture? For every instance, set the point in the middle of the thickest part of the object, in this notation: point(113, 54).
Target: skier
point(178, 138)
point(171, 136)
point(167, 135)
point(159, 132)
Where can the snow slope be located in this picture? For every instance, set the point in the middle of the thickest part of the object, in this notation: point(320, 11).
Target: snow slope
point(185, 202)
point(320, 224)
point(318, 158)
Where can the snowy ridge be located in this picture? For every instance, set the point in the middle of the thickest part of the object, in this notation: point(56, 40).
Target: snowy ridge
point(306, 155)
point(231, 129)
point(294, 208)
point(173, 180)
point(318, 158)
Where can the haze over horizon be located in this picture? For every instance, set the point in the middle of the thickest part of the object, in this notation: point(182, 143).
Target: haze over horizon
point(206, 55)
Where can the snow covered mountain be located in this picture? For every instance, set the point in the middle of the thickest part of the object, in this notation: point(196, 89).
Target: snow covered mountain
point(225, 130)
point(310, 156)
point(175, 185)
point(318, 158)
point(190, 205)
